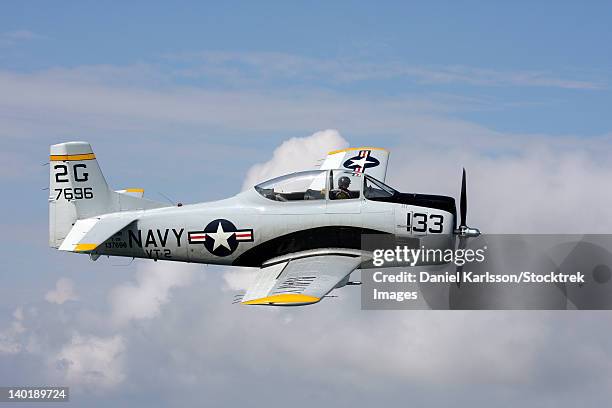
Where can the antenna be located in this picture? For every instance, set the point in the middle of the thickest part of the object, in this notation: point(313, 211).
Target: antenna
point(167, 198)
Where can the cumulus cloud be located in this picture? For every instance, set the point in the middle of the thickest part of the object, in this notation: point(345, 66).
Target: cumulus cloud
point(414, 347)
point(63, 292)
point(529, 189)
point(18, 314)
point(272, 65)
point(388, 349)
point(539, 186)
point(239, 278)
point(91, 361)
point(93, 357)
point(10, 341)
point(423, 348)
point(144, 298)
point(516, 183)
point(296, 154)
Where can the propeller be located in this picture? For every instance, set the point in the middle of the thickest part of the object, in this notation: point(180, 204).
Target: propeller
point(464, 232)
point(463, 202)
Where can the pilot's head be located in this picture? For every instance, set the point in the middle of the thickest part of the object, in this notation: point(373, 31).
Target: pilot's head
point(344, 182)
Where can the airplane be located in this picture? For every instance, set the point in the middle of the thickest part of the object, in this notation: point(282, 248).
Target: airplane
point(302, 230)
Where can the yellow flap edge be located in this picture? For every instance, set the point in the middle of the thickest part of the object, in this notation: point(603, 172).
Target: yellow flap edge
point(284, 299)
point(85, 247)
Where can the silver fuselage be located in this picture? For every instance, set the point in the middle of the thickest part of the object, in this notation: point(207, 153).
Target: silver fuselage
point(276, 228)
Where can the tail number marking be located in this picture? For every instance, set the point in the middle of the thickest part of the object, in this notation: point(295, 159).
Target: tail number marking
point(62, 175)
point(76, 193)
point(80, 175)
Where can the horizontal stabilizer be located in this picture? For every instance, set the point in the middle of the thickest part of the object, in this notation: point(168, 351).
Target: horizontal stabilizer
point(134, 192)
point(87, 234)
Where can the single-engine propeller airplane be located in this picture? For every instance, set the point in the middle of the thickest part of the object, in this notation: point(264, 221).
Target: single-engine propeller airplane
point(302, 230)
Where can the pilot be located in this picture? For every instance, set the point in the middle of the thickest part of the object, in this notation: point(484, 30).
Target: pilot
point(342, 193)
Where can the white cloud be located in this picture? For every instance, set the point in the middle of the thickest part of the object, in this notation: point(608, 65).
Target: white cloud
point(8, 345)
point(21, 35)
point(272, 65)
point(18, 313)
point(239, 278)
point(10, 338)
point(515, 182)
point(63, 292)
point(12, 37)
point(541, 187)
point(97, 99)
point(423, 348)
point(144, 298)
point(296, 154)
point(95, 362)
point(539, 182)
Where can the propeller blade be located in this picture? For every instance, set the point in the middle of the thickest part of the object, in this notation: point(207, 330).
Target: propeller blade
point(463, 201)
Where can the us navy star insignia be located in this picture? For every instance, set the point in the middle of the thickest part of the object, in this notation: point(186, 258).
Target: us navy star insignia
point(361, 162)
point(220, 237)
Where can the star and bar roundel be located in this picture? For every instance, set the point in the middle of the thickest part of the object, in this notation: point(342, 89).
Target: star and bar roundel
point(221, 237)
point(361, 162)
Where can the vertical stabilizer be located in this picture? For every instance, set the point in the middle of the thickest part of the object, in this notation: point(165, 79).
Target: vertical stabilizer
point(77, 188)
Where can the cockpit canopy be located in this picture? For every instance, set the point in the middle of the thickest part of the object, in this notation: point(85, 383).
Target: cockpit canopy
point(322, 184)
point(306, 185)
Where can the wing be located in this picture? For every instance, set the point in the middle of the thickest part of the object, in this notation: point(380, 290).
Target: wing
point(88, 233)
point(369, 160)
point(302, 279)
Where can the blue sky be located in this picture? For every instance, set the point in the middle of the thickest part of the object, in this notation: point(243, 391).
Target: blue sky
point(187, 98)
point(561, 41)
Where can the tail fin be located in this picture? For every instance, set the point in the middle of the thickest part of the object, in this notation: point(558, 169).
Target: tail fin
point(78, 190)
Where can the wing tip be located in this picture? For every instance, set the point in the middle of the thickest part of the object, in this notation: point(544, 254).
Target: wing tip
point(349, 149)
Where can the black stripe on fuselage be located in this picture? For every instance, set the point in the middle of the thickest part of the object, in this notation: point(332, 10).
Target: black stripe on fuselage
point(438, 202)
point(304, 240)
